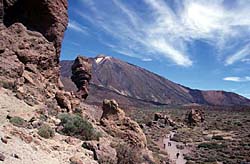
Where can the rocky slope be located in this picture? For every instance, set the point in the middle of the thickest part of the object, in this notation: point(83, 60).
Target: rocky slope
point(39, 121)
point(136, 86)
point(24, 145)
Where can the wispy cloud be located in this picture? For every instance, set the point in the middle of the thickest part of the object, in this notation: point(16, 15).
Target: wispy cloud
point(240, 55)
point(237, 79)
point(246, 60)
point(77, 27)
point(146, 59)
point(168, 31)
point(75, 44)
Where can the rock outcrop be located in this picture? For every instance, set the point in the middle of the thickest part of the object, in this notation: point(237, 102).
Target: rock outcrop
point(194, 117)
point(30, 40)
point(102, 150)
point(164, 119)
point(81, 75)
point(48, 17)
point(124, 131)
point(63, 101)
point(117, 125)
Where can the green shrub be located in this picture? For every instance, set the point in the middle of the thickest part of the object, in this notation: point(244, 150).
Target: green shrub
point(18, 121)
point(46, 131)
point(211, 145)
point(75, 125)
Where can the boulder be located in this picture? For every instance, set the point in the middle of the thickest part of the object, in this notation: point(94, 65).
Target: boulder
point(2, 157)
point(102, 150)
point(111, 110)
point(63, 100)
point(158, 116)
point(194, 117)
point(81, 75)
point(116, 124)
point(4, 140)
point(75, 160)
point(164, 119)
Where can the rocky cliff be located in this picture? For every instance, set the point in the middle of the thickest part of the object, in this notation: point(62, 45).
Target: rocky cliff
point(31, 35)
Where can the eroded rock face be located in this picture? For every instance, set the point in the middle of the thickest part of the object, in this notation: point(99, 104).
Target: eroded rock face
point(49, 17)
point(116, 124)
point(63, 100)
point(81, 75)
point(194, 117)
point(111, 110)
point(67, 100)
point(103, 152)
point(28, 63)
point(124, 130)
point(164, 119)
point(30, 49)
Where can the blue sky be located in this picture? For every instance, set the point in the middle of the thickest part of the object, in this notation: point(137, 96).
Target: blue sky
point(203, 44)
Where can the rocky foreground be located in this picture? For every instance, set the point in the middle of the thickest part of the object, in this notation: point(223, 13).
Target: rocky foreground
point(40, 121)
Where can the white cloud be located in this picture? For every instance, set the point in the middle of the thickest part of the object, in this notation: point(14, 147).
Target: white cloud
point(247, 60)
point(237, 79)
point(146, 59)
point(240, 55)
point(167, 32)
point(77, 27)
point(163, 47)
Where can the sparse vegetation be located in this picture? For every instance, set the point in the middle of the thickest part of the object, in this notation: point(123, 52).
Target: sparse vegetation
point(75, 125)
point(223, 137)
point(211, 145)
point(46, 131)
point(18, 121)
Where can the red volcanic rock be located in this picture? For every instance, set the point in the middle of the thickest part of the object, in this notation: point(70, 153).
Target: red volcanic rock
point(102, 150)
point(116, 124)
point(30, 39)
point(81, 75)
point(164, 118)
point(63, 100)
point(194, 117)
point(49, 17)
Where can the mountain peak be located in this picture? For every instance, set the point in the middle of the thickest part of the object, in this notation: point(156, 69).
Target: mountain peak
point(134, 85)
point(100, 58)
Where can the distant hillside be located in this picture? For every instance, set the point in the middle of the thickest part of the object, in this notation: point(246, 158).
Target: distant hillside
point(135, 86)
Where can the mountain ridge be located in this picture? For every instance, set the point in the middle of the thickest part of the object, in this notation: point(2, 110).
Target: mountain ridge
point(131, 81)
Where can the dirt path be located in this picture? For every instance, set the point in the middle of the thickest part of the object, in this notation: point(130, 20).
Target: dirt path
point(172, 150)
